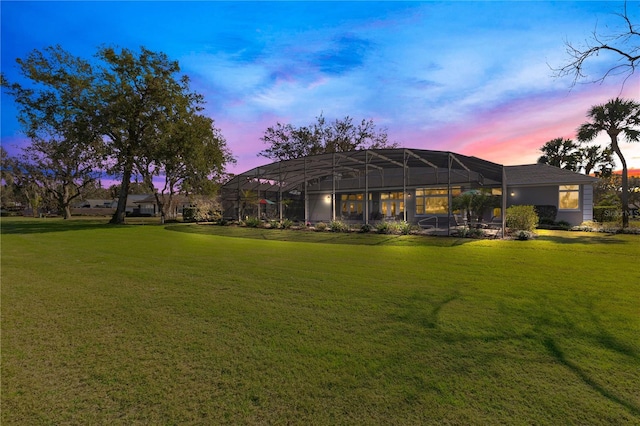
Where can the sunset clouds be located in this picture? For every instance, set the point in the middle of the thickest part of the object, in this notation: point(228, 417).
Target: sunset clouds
point(470, 77)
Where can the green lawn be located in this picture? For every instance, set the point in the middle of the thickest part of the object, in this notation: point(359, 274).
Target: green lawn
point(189, 324)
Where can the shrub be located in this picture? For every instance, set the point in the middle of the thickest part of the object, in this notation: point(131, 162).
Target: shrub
point(320, 226)
point(523, 235)
point(522, 217)
point(338, 226)
point(383, 227)
point(546, 213)
point(466, 232)
point(189, 214)
point(252, 222)
point(606, 213)
point(404, 227)
point(366, 228)
point(546, 221)
point(286, 223)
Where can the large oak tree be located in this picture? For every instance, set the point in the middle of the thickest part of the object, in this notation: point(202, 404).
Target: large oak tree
point(129, 113)
point(55, 112)
point(287, 141)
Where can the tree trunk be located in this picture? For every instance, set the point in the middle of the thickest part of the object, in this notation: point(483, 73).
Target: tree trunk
point(624, 196)
point(120, 214)
point(161, 207)
point(64, 203)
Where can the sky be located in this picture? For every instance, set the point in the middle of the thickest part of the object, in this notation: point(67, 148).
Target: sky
point(473, 78)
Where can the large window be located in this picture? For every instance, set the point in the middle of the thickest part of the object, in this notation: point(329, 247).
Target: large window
point(434, 200)
point(352, 205)
point(569, 197)
point(392, 204)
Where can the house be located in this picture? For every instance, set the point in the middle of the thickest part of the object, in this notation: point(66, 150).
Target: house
point(91, 207)
point(148, 205)
point(93, 203)
point(541, 184)
point(414, 185)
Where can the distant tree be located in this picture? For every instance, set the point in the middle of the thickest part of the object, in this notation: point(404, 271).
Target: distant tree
point(598, 160)
point(55, 113)
point(287, 141)
point(607, 191)
point(60, 171)
point(190, 156)
point(21, 186)
point(10, 195)
point(623, 46)
point(95, 190)
point(618, 117)
point(562, 153)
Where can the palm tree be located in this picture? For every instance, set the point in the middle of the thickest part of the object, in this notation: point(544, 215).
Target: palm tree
point(597, 160)
point(616, 117)
point(560, 152)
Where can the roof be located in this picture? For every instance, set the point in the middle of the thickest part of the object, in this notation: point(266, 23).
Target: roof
point(151, 199)
point(544, 174)
point(291, 173)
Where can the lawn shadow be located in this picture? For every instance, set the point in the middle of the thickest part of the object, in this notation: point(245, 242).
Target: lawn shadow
point(582, 239)
point(559, 355)
point(42, 226)
point(325, 237)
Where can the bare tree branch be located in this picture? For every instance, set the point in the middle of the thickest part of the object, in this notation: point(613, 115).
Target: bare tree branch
point(625, 45)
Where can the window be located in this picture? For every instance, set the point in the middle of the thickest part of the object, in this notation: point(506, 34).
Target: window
point(352, 204)
point(569, 197)
point(392, 204)
point(434, 200)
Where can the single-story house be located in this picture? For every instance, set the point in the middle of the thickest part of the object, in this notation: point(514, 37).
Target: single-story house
point(415, 185)
point(93, 203)
point(148, 206)
point(541, 184)
point(108, 206)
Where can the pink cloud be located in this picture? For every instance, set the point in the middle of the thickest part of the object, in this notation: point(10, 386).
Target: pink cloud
point(243, 139)
point(513, 132)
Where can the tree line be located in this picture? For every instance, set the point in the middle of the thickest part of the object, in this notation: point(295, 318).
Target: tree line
point(620, 120)
point(128, 113)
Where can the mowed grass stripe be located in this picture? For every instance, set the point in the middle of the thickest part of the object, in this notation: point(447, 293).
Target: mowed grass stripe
point(139, 324)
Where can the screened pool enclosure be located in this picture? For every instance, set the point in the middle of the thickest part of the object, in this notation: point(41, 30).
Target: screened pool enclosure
point(432, 189)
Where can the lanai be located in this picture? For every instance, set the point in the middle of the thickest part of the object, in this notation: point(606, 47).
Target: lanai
point(367, 171)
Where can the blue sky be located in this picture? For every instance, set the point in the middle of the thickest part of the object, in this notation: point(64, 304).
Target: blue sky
point(469, 77)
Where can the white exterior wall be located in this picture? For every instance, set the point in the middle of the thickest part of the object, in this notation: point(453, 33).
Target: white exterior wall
point(587, 203)
point(320, 208)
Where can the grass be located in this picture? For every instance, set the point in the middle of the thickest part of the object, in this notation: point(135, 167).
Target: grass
point(143, 324)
